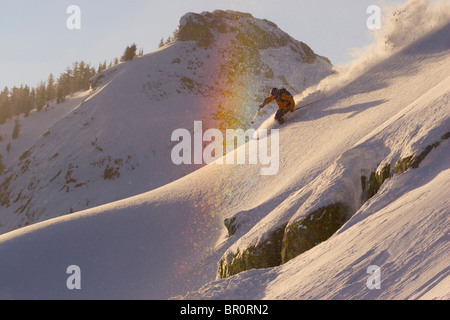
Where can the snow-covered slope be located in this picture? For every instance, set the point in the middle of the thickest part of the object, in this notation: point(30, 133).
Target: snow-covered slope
point(117, 142)
point(376, 150)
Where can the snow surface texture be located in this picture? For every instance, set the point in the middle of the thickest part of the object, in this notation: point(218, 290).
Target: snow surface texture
point(115, 141)
point(167, 242)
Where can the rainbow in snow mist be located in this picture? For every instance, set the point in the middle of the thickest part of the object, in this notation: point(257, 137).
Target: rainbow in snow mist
point(233, 65)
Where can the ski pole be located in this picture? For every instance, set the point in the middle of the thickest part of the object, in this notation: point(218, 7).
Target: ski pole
point(257, 112)
point(307, 105)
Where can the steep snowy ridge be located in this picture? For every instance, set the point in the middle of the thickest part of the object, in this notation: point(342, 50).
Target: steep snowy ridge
point(373, 156)
point(344, 187)
point(34, 126)
point(117, 143)
point(413, 132)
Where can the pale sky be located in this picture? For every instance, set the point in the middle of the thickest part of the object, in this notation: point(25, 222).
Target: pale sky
point(35, 40)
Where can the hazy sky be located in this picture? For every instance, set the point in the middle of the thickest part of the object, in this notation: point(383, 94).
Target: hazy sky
point(35, 41)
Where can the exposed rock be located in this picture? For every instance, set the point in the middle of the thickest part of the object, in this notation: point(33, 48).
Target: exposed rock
point(371, 186)
point(231, 226)
point(296, 237)
point(315, 228)
point(242, 221)
point(266, 254)
point(310, 56)
point(194, 27)
point(413, 161)
point(251, 34)
point(286, 242)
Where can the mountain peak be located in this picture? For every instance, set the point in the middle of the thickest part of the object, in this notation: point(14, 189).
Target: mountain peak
point(220, 68)
point(218, 14)
point(206, 28)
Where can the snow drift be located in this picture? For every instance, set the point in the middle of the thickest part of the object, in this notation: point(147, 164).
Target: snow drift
point(115, 141)
point(385, 131)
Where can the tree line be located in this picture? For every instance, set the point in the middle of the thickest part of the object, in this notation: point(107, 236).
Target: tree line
point(22, 100)
point(169, 39)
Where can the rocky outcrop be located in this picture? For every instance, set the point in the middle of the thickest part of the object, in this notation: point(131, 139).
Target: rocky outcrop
point(266, 254)
point(313, 229)
point(232, 225)
point(414, 161)
point(285, 242)
point(201, 28)
point(309, 229)
point(250, 34)
point(371, 185)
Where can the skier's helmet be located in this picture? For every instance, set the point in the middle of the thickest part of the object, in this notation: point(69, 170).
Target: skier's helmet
point(274, 92)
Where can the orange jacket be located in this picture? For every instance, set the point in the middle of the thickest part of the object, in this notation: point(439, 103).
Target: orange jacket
point(285, 101)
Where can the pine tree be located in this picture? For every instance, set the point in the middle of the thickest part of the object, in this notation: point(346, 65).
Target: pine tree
point(51, 88)
point(129, 54)
point(101, 67)
point(60, 96)
point(15, 100)
point(32, 99)
point(5, 106)
point(41, 97)
point(26, 104)
point(176, 33)
point(68, 81)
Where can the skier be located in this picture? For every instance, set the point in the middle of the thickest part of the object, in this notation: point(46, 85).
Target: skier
point(285, 102)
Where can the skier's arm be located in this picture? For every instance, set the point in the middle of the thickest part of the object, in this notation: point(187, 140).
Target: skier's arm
point(291, 104)
point(267, 101)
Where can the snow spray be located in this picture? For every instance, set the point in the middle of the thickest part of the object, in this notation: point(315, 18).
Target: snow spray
point(400, 27)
